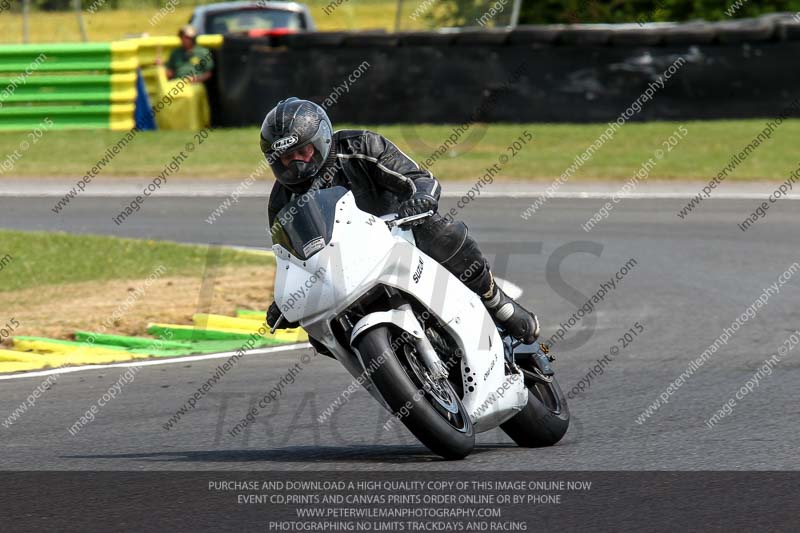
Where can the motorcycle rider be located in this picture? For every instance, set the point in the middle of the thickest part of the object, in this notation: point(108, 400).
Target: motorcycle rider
point(304, 152)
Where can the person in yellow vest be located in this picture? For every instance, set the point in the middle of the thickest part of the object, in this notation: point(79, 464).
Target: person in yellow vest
point(190, 61)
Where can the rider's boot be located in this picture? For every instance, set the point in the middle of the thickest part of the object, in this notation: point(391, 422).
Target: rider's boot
point(518, 321)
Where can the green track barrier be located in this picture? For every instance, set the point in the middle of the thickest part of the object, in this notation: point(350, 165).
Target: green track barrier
point(62, 117)
point(199, 348)
point(166, 347)
point(130, 342)
point(250, 314)
point(89, 88)
point(176, 332)
point(39, 81)
point(176, 350)
point(65, 346)
point(172, 340)
point(55, 57)
point(61, 343)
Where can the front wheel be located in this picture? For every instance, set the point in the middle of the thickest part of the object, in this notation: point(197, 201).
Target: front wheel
point(429, 408)
point(545, 418)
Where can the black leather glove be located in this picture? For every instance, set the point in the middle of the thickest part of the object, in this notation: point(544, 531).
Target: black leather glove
point(273, 313)
point(417, 204)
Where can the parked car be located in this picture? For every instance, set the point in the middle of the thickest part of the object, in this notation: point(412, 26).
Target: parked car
point(252, 18)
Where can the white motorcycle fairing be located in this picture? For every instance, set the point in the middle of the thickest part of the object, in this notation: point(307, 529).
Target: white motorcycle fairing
point(363, 253)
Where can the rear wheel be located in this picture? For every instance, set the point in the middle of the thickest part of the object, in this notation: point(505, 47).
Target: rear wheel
point(429, 408)
point(545, 418)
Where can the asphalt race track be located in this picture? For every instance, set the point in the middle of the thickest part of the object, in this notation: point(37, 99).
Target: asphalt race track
point(691, 279)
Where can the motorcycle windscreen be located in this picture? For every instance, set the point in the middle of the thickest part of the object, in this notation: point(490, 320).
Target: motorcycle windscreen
point(305, 225)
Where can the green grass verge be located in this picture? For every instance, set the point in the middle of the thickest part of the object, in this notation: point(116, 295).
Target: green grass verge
point(54, 258)
point(234, 153)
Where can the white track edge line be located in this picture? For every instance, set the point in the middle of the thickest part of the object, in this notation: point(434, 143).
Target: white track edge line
point(511, 194)
point(630, 196)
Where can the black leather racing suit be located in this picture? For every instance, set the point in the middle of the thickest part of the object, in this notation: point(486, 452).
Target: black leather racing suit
point(381, 177)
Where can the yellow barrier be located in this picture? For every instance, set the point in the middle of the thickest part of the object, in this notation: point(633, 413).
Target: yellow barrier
point(11, 361)
point(188, 107)
point(59, 354)
point(188, 110)
point(245, 325)
point(151, 48)
point(227, 322)
point(8, 368)
point(124, 56)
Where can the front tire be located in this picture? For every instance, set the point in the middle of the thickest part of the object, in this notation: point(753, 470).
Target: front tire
point(438, 420)
point(545, 418)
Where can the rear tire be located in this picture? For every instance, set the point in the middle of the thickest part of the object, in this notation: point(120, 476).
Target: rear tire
point(452, 437)
point(544, 420)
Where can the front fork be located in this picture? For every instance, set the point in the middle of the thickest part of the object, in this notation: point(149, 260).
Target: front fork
point(430, 358)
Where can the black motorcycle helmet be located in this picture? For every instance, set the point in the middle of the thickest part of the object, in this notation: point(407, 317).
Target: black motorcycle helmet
point(290, 125)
